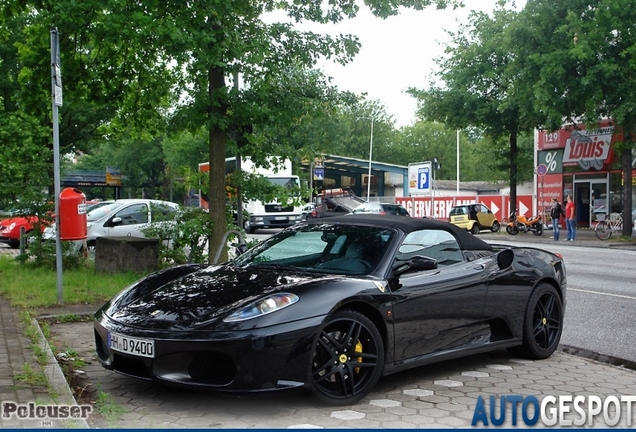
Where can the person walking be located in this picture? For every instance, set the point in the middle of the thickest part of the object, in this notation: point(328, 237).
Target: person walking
point(570, 219)
point(556, 211)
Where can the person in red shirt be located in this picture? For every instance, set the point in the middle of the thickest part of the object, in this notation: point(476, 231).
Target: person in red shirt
point(570, 219)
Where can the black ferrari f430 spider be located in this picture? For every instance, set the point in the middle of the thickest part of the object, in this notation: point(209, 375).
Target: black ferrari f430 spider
point(332, 306)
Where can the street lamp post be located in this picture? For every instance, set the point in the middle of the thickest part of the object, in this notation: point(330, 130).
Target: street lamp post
point(435, 165)
point(370, 159)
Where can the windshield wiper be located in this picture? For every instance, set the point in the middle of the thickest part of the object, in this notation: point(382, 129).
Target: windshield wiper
point(274, 266)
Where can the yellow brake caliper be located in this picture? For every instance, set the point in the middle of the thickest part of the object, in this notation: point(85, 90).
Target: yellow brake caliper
point(358, 349)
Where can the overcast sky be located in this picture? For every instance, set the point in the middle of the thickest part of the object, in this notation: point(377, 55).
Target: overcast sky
point(397, 53)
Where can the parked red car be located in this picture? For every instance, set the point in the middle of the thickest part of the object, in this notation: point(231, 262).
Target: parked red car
point(10, 229)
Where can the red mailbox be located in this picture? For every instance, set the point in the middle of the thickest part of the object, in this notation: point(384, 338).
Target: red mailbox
point(73, 215)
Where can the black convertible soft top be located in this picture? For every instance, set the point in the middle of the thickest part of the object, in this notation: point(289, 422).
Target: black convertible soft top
point(466, 240)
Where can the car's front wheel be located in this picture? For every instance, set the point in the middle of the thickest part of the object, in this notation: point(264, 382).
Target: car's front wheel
point(347, 358)
point(495, 226)
point(542, 324)
point(248, 227)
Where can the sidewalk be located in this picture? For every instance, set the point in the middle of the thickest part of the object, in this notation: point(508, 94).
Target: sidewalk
point(584, 237)
point(21, 379)
point(439, 395)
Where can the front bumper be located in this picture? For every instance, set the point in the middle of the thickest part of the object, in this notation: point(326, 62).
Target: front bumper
point(266, 359)
point(274, 221)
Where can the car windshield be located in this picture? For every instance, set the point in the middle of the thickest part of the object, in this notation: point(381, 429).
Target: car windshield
point(323, 248)
point(102, 209)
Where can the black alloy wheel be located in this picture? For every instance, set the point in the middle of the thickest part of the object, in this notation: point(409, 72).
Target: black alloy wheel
point(512, 230)
point(543, 324)
point(474, 230)
point(537, 229)
point(495, 227)
point(347, 359)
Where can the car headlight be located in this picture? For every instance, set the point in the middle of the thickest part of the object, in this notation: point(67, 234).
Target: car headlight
point(263, 306)
point(11, 227)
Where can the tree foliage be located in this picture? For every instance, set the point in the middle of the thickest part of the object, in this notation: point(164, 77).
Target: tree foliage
point(478, 86)
point(579, 60)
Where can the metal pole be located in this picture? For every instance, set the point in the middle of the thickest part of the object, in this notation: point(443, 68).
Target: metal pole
point(457, 162)
point(311, 180)
point(56, 86)
point(239, 192)
point(370, 159)
point(433, 194)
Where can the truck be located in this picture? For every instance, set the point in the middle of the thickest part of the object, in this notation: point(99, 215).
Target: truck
point(258, 214)
point(334, 202)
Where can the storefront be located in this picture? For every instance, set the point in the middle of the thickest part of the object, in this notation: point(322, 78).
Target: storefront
point(582, 163)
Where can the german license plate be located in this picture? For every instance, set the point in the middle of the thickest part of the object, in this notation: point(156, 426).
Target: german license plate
point(131, 345)
point(280, 218)
point(459, 218)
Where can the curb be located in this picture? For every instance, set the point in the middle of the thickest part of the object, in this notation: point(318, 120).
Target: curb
point(56, 378)
point(602, 358)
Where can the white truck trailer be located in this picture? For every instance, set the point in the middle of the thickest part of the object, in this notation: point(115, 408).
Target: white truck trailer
point(258, 214)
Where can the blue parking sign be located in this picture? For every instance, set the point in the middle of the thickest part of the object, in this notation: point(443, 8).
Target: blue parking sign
point(423, 178)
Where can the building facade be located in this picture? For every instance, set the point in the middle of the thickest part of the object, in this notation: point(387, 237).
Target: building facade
point(583, 163)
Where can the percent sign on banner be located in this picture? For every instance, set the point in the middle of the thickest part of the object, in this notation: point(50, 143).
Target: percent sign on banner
point(551, 161)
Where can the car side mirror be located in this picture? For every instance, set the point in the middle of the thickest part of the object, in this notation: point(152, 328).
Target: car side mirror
point(241, 249)
point(116, 220)
point(416, 263)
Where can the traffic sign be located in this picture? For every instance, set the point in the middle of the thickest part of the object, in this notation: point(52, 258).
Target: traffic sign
point(542, 169)
point(420, 178)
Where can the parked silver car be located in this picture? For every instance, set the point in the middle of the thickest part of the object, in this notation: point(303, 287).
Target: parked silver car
point(122, 218)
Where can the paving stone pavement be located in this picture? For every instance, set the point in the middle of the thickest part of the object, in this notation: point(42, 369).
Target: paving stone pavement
point(435, 396)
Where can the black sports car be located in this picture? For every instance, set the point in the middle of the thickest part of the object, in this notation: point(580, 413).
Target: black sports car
point(332, 305)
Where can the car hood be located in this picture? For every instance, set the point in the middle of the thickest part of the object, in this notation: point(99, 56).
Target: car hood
point(18, 220)
point(204, 297)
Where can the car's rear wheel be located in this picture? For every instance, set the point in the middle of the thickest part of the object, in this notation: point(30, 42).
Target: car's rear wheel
point(495, 226)
point(542, 324)
point(474, 229)
point(347, 358)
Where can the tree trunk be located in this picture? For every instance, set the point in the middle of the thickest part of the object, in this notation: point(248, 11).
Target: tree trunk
point(217, 136)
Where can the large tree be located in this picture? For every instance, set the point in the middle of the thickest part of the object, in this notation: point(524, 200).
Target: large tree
point(580, 58)
point(477, 86)
point(137, 52)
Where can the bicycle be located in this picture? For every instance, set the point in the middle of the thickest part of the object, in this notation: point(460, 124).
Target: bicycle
point(605, 229)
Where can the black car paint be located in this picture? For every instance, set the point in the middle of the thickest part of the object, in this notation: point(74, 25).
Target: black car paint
point(422, 317)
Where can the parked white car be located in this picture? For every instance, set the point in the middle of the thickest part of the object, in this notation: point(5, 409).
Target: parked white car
point(122, 218)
